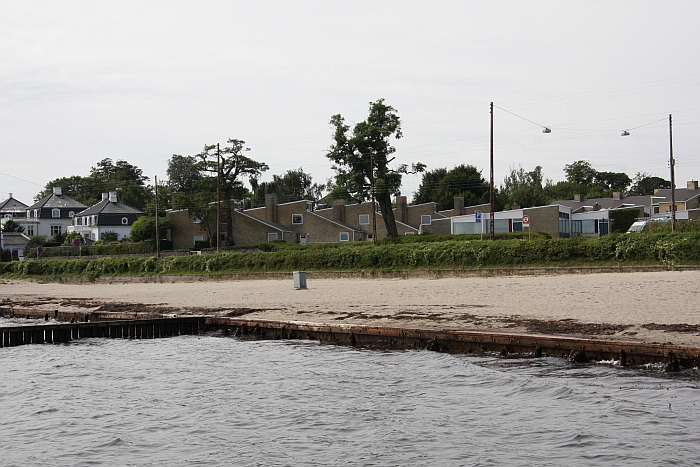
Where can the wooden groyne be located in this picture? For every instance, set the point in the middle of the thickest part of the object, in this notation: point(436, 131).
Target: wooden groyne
point(578, 349)
point(11, 336)
point(135, 325)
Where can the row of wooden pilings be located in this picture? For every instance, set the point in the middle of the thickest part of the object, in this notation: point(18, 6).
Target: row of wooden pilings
point(11, 336)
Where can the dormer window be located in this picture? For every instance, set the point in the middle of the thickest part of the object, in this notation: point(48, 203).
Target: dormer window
point(125, 221)
point(29, 214)
point(36, 213)
point(55, 213)
point(8, 216)
point(71, 214)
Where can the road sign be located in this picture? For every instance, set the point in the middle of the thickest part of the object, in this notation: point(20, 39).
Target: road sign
point(477, 216)
point(526, 221)
point(76, 242)
point(40, 250)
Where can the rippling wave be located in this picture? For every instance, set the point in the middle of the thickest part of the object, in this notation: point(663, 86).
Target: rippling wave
point(200, 400)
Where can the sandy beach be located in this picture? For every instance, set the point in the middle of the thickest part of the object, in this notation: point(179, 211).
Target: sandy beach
point(657, 307)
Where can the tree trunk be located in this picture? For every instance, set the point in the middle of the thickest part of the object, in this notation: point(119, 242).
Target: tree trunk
point(384, 200)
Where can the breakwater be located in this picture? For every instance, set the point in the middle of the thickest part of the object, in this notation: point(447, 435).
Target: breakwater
point(135, 325)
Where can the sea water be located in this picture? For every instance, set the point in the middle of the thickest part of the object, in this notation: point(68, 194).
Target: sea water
point(204, 400)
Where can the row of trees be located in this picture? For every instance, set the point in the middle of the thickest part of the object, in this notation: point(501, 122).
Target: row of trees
point(363, 159)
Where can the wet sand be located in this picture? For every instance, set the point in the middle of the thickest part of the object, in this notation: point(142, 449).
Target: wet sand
point(660, 307)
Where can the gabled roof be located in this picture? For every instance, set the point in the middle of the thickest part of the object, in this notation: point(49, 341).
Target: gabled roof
point(341, 224)
point(11, 204)
point(107, 207)
point(57, 201)
point(682, 194)
point(274, 225)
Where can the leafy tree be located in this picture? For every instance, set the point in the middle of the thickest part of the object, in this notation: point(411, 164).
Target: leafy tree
point(644, 184)
point(293, 185)
point(70, 237)
point(363, 153)
point(183, 173)
point(145, 228)
point(580, 173)
point(233, 166)
point(523, 188)
point(442, 185)
point(106, 176)
point(12, 226)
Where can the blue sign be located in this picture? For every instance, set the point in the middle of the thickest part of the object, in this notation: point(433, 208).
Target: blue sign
point(477, 216)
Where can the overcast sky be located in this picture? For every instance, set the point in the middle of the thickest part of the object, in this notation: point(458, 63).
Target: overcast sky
point(140, 81)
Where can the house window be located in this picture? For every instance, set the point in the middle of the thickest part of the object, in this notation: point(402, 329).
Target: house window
point(8, 216)
point(517, 226)
point(297, 219)
point(56, 229)
point(29, 230)
point(29, 214)
point(271, 237)
point(199, 238)
point(125, 221)
point(344, 236)
point(364, 219)
point(36, 213)
point(425, 220)
point(370, 237)
point(71, 214)
point(196, 220)
point(55, 213)
point(409, 233)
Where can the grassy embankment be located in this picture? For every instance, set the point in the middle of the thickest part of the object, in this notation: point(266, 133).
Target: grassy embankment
point(420, 252)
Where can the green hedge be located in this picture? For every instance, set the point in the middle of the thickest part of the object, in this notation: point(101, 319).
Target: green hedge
point(666, 249)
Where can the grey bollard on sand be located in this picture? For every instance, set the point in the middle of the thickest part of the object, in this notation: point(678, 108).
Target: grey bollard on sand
point(299, 279)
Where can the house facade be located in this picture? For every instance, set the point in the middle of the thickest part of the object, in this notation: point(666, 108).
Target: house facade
point(52, 214)
point(109, 215)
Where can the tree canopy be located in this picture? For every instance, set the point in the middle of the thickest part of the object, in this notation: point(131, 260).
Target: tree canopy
point(523, 188)
point(293, 185)
point(442, 185)
point(363, 153)
point(644, 184)
point(104, 177)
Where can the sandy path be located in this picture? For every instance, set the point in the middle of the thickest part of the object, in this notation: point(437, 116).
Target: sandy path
point(615, 305)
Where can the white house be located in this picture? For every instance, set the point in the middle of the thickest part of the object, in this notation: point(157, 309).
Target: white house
point(109, 215)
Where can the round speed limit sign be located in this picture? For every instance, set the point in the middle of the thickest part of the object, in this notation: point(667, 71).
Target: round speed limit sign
point(526, 220)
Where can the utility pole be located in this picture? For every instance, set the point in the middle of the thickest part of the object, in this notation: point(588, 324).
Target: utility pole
point(218, 198)
point(157, 227)
point(491, 193)
point(374, 208)
point(673, 178)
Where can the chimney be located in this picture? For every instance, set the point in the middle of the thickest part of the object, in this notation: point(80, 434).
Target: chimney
point(57, 190)
point(692, 185)
point(515, 207)
point(459, 206)
point(105, 196)
point(271, 207)
point(578, 197)
point(339, 210)
point(112, 196)
point(401, 209)
point(10, 195)
point(617, 196)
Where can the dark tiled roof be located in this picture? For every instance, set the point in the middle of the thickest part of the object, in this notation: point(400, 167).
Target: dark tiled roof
point(107, 207)
point(682, 194)
point(57, 201)
point(11, 204)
